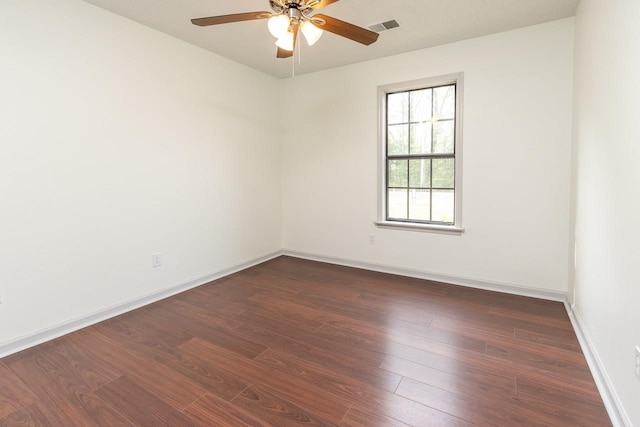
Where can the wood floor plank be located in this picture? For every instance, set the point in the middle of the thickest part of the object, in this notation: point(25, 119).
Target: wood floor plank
point(156, 378)
point(141, 407)
point(308, 293)
point(451, 360)
point(549, 359)
point(472, 408)
point(298, 342)
point(194, 305)
point(213, 411)
point(222, 333)
point(41, 414)
point(61, 390)
point(202, 374)
point(71, 358)
point(582, 405)
point(558, 413)
point(14, 393)
point(372, 330)
point(478, 326)
point(374, 399)
point(358, 417)
point(461, 381)
point(306, 338)
point(288, 311)
point(455, 361)
point(302, 393)
point(552, 337)
point(276, 410)
point(350, 388)
point(339, 361)
point(560, 321)
point(557, 338)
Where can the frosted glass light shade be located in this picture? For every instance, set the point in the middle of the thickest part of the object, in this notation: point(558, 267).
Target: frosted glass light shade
point(286, 42)
point(278, 25)
point(311, 32)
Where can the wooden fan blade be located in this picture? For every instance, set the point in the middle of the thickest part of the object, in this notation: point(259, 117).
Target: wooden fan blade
point(322, 3)
point(350, 31)
point(284, 53)
point(225, 19)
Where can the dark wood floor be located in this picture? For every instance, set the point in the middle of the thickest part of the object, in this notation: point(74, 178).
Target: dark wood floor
point(295, 342)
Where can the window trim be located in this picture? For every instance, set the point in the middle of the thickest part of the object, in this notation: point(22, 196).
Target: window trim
point(382, 221)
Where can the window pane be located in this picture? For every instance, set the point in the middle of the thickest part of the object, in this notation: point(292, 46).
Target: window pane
point(397, 108)
point(444, 101)
point(420, 101)
point(421, 138)
point(420, 205)
point(420, 173)
point(443, 206)
point(397, 200)
point(398, 173)
point(398, 139)
point(443, 173)
point(443, 137)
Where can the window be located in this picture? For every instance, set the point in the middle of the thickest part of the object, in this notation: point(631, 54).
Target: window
point(421, 146)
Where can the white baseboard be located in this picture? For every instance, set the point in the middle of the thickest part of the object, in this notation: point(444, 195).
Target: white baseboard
point(437, 277)
point(619, 417)
point(47, 334)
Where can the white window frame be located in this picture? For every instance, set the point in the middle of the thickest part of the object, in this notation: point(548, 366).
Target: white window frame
point(382, 221)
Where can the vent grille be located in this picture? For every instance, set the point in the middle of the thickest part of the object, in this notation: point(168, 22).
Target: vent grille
point(383, 26)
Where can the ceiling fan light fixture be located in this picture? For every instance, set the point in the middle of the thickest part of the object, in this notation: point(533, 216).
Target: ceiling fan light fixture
point(311, 33)
point(288, 18)
point(286, 41)
point(278, 25)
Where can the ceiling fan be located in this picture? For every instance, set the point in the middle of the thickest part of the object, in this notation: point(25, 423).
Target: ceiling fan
point(288, 17)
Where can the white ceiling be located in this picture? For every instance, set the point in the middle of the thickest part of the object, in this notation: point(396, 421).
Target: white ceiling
point(423, 23)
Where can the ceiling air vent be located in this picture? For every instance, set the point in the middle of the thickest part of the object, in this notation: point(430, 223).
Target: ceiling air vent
point(388, 25)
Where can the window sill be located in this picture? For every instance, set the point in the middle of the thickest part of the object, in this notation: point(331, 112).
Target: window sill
point(412, 226)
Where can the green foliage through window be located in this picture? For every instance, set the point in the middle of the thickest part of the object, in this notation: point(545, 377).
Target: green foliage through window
point(420, 152)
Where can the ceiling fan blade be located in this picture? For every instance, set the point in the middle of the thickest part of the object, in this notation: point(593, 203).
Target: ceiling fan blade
point(345, 29)
point(319, 4)
point(284, 53)
point(225, 19)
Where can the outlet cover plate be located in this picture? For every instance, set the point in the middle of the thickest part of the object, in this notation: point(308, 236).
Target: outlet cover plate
point(155, 260)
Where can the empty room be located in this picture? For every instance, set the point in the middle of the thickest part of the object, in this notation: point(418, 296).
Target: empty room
point(319, 212)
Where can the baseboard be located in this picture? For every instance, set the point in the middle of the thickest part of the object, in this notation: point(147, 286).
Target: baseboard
point(47, 334)
point(609, 396)
point(436, 277)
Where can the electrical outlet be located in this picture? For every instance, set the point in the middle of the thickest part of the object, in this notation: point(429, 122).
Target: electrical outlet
point(155, 260)
point(638, 362)
point(372, 239)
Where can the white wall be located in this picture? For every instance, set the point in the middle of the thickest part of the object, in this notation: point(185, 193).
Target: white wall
point(117, 142)
point(516, 166)
point(607, 185)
